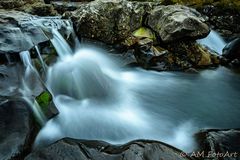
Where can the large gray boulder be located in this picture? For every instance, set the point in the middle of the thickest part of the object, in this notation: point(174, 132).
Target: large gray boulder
point(176, 22)
point(109, 21)
point(16, 128)
point(72, 149)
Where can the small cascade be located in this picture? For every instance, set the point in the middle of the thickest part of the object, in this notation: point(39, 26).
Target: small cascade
point(30, 83)
point(60, 44)
point(44, 66)
point(214, 42)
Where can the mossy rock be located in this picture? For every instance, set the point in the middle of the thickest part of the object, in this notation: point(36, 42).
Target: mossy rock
point(144, 32)
point(44, 100)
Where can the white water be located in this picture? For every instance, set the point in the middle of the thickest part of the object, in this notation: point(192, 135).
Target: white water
point(96, 100)
point(60, 44)
point(99, 100)
point(214, 41)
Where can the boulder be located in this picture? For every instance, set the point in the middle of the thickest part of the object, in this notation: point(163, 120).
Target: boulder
point(72, 149)
point(176, 22)
point(16, 128)
point(194, 53)
point(232, 50)
point(219, 144)
point(109, 21)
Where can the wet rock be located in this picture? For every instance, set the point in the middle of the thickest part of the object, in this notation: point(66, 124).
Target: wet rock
point(232, 50)
point(176, 22)
point(21, 31)
point(73, 149)
point(194, 53)
point(16, 128)
point(109, 21)
point(220, 141)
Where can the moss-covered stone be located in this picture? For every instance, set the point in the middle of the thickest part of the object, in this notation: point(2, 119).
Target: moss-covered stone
point(44, 100)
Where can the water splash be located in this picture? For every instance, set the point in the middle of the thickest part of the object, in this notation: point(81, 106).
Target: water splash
point(96, 100)
point(99, 100)
point(214, 41)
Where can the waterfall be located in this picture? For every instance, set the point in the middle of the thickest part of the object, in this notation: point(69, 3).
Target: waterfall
point(213, 41)
point(41, 59)
point(30, 81)
point(99, 100)
point(60, 44)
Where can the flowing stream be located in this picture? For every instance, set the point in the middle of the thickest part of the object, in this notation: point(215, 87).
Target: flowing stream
point(99, 100)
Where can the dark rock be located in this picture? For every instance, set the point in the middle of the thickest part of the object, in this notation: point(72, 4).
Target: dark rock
point(223, 18)
point(109, 21)
point(62, 7)
point(40, 9)
point(71, 149)
point(220, 141)
point(176, 22)
point(16, 128)
point(232, 50)
point(194, 53)
point(35, 7)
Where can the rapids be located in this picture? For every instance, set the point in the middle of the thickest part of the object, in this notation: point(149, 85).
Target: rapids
point(97, 99)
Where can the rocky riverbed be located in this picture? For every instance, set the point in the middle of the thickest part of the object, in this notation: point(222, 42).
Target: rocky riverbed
point(153, 35)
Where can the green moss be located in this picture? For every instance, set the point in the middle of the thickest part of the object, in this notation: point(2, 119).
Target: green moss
point(44, 100)
point(143, 32)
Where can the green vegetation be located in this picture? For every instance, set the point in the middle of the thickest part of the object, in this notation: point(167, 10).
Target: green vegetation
point(44, 100)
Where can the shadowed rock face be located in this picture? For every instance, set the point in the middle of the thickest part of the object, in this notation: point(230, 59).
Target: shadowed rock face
point(16, 130)
point(220, 141)
point(71, 149)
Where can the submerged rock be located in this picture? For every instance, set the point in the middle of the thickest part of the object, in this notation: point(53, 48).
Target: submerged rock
point(176, 22)
point(16, 128)
point(73, 149)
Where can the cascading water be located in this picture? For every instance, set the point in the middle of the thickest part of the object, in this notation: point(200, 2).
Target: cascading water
point(30, 80)
point(60, 44)
point(99, 100)
point(213, 41)
point(41, 59)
